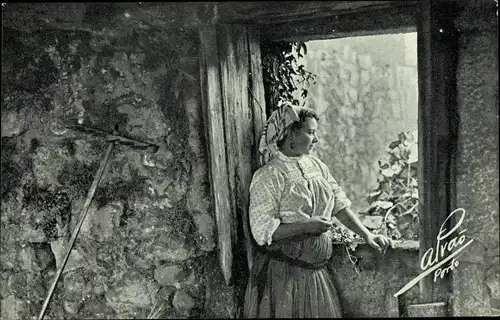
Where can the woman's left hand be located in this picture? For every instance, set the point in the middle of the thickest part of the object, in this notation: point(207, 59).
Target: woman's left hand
point(379, 242)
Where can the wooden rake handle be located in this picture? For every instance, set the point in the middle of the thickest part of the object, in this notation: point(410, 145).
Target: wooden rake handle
point(86, 206)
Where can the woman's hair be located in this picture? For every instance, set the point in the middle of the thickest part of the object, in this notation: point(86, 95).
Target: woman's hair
point(304, 114)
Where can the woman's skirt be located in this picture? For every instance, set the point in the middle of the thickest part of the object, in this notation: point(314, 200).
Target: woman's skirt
point(281, 286)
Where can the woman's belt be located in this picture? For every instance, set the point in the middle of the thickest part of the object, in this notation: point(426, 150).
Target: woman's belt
point(276, 255)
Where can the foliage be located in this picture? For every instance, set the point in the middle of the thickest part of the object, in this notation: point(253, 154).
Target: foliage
point(282, 74)
point(345, 236)
point(349, 240)
point(395, 200)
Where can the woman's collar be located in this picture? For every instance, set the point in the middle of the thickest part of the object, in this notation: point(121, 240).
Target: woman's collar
point(281, 156)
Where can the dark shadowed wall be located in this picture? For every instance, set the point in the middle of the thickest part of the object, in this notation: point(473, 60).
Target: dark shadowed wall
point(148, 238)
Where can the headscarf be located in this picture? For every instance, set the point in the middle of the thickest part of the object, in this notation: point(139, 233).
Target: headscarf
point(277, 128)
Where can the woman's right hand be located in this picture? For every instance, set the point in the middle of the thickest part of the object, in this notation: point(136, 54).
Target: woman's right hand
point(318, 225)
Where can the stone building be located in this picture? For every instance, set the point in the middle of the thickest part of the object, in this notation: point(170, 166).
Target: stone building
point(163, 235)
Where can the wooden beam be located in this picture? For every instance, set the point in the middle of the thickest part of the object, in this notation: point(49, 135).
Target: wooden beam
point(394, 19)
point(257, 98)
point(437, 47)
point(235, 68)
point(214, 124)
point(286, 11)
point(258, 108)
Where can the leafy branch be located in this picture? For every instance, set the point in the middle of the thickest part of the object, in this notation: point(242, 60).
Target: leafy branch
point(349, 240)
point(282, 73)
point(393, 209)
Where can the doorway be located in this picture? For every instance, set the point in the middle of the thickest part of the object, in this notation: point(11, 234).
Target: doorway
point(436, 126)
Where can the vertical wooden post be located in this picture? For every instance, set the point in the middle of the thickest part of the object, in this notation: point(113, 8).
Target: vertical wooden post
point(436, 74)
point(258, 107)
point(244, 114)
point(233, 49)
point(234, 110)
point(214, 124)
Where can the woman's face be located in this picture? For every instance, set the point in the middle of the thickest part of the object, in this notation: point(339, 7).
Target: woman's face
point(305, 138)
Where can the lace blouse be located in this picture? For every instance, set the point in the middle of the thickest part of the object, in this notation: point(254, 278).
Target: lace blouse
point(291, 189)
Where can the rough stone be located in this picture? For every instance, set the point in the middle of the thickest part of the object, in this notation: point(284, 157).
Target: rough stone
point(158, 186)
point(105, 220)
point(17, 282)
point(382, 277)
point(12, 308)
point(96, 308)
point(4, 277)
point(168, 275)
point(47, 163)
point(493, 284)
point(78, 289)
point(76, 214)
point(177, 190)
point(75, 259)
point(205, 231)
point(103, 79)
point(144, 122)
point(44, 255)
point(183, 303)
point(86, 151)
point(175, 249)
point(365, 78)
point(72, 307)
point(477, 150)
point(8, 256)
point(22, 257)
point(28, 260)
point(12, 123)
point(133, 291)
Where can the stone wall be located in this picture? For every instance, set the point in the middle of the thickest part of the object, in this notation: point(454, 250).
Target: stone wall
point(477, 280)
point(367, 93)
point(148, 240)
point(367, 289)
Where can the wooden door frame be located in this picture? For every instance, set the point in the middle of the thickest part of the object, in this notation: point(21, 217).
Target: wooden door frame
point(437, 111)
point(233, 102)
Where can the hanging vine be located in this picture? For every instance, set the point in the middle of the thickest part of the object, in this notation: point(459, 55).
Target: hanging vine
point(282, 73)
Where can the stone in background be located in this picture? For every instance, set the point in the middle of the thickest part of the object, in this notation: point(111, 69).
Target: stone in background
point(149, 234)
point(477, 280)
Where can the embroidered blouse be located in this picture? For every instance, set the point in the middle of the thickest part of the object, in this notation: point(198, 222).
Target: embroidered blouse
point(291, 189)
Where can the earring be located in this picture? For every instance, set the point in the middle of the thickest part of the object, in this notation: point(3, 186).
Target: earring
point(292, 145)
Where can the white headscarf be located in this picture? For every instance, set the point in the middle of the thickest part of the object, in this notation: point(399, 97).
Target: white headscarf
point(277, 128)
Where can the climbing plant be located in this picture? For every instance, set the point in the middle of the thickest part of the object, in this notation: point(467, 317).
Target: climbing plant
point(394, 203)
point(282, 73)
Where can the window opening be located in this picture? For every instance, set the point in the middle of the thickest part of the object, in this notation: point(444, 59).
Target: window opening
point(366, 93)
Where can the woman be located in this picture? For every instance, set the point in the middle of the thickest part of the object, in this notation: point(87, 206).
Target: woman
point(292, 200)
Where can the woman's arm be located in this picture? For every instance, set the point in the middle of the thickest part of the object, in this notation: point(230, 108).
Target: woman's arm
point(314, 225)
point(351, 221)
